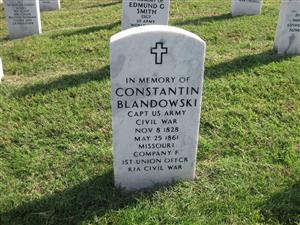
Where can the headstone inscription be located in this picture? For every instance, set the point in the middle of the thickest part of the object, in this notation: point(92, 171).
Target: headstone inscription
point(1, 70)
point(246, 7)
point(157, 78)
point(23, 18)
point(49, 5)
point(287, 40)
point(144, 12)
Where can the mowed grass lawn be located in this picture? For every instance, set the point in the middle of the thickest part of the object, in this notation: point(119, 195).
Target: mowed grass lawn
point(56, 136)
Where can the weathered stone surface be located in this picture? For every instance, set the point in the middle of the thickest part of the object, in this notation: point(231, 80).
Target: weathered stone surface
point(246, 7)
point(49, 5)
point(157, 79)
point(23, 18)
point(144, 12)
point(287, 40)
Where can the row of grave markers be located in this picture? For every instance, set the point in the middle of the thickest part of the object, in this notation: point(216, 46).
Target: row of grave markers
point(140, 13)
point(157, 75)
point(156, 87)
point(46, 5)
point(23, 17)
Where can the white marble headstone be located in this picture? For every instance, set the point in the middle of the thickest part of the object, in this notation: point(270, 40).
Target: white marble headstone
point(49, 5)
point(23, 17)
point(1, 1)
point(246, 7)
point(157, 78)
point(1, 70)
point(287, 40)
point(144, 12)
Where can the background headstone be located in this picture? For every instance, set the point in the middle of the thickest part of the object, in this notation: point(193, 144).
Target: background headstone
point(287, 40)
point(157, 79)
point(1, 1)
point(1, 70)
point(144, 12)
point(246, 7)
point(49, 5)
point(23, 17)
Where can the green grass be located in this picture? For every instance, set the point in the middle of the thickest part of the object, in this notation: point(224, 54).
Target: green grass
point(55, 120)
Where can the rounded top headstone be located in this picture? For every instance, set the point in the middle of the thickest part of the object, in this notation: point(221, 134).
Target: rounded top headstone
point(156, 78)
point(156, 29)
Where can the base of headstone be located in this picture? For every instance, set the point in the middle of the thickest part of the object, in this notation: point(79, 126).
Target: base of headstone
point(246, 7)
point(287, 39)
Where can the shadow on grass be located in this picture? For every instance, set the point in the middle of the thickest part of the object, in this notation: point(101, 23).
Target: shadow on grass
point(95, 197)
point(102, 5)
point(284, 207)
point(244, 63)
point(64, 82)
point(237, 65)
point(3, 39)
point(202, 20)
point(87, 30)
